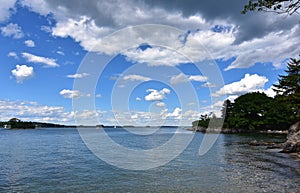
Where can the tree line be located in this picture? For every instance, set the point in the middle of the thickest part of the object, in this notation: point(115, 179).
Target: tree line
point(257, 111)
point(15, 123)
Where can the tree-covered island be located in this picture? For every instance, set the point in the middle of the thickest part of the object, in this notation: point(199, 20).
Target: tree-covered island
point(15, 123)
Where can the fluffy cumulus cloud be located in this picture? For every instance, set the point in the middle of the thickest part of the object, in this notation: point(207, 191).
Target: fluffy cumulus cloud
point(249, 83)
point(29, 43)
point(32, 111)
point(182, 78)
point(13, 54)
point(47, 62)
point(176, 114)
point(269, 92)
point(155, 95)
point(22, 72)
point(78, 75)
point(135, 77)
point(12, 30)
point(66, 93)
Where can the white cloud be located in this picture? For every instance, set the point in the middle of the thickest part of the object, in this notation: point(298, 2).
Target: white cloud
point(182, 78)
point(160, 104)
point(191, 104)
point(22, 72)
point(48, 62)
point(176, 114)
point(40, 6)
point(70, 93)
point(250, 52)
point(98, 95)
point(86, 115)
point(155, 56)
point(135, 116)
point(198, 78)
point(249, 83)
point(29, 43)
point(208, 84)
point(191, 115)
point(89, 29)
point(269, 92)
point(135, 77)
point(84, 31)
point(81, 75)
point(12, 30)
point(46, 29)
point(89, 26)
point(32, 111)
point(138, 99)
point(5, 7)
point(13, 54)
point(156, 95)
point(60, 52)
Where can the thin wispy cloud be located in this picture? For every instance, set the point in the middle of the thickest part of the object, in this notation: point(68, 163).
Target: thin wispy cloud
point(47, 62)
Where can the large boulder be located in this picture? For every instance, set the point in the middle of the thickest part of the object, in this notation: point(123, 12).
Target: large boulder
point(292, 145)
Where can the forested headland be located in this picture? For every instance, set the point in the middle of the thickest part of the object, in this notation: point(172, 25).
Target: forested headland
point(257, 112)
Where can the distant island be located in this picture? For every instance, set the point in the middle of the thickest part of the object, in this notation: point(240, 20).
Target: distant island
point(16, 123)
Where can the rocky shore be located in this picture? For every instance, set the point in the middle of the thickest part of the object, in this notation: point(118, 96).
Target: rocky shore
point(291, 145)
point(232, 131)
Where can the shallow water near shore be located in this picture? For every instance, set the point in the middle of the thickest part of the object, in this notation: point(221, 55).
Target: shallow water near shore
point(57, 160)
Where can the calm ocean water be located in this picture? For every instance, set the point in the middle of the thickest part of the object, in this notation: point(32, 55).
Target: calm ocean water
point(56, 160)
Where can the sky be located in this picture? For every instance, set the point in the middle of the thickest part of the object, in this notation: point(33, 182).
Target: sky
point(136, 62)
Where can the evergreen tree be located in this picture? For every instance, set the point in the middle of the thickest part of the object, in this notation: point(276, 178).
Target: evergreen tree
point(289, 85)
point(226, 112)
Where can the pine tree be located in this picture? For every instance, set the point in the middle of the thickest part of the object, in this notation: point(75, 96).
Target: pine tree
point(289, 85)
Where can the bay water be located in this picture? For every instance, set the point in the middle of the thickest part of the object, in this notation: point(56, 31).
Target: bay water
point(57, 160)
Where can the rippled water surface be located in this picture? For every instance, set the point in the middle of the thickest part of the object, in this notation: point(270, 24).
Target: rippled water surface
point(56, 160)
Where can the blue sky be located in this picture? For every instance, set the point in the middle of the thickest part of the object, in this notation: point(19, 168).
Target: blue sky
point(100, 62)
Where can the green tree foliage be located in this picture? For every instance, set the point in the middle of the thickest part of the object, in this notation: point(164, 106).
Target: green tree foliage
point(277, 6)
point(18, 124)
point(249, 111)
point(14, 120)
point(254, 112)
point(257, 111)
point(289, 86)
point(226, 111)
point(203, 121)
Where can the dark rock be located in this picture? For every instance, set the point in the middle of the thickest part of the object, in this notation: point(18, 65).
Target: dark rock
point(270, 145)
point(292, 145)
point(254, 143)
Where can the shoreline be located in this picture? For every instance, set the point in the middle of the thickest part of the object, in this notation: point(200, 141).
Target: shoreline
point(235, 131)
